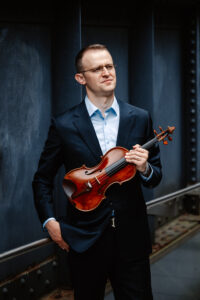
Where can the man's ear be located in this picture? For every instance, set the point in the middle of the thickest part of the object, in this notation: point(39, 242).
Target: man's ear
point(80, 78)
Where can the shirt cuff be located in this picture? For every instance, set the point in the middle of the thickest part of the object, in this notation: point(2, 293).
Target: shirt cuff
point(47, 222)
point(145, 178)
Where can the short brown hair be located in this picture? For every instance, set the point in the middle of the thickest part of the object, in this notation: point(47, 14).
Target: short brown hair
point(79, 56)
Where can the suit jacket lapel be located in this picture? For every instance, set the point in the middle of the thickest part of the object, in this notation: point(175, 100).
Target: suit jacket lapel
point(83, 123)
point(126, 123)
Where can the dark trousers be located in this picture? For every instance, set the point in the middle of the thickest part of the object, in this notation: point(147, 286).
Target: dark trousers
point(130, 279)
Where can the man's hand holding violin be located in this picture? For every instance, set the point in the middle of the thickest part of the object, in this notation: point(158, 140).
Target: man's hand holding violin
point(139, 156)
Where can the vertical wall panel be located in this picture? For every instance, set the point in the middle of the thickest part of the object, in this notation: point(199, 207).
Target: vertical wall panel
point(141, 59)
point(25, 98)
point(168, 104)
point(198, 95)
point(66, 43)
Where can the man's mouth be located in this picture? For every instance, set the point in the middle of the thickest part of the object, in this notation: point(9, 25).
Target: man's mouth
point(107, 81)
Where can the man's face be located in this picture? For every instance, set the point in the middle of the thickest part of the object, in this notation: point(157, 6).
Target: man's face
point(99, 73)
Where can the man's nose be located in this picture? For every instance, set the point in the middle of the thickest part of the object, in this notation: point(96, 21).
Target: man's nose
point(105, 71)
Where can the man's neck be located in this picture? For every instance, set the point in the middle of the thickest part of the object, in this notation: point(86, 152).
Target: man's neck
point(103, 103)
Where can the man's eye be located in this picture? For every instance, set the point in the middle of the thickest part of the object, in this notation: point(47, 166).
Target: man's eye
point(109, 67)
point(99, 69)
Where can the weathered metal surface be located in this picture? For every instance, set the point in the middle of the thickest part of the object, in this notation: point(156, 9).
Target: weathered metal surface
point(32, 283)
point(170, 235)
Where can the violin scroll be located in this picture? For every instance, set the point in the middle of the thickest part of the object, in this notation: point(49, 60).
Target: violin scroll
point(164, 134)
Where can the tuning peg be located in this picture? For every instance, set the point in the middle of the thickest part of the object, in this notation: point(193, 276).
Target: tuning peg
point(165, 142)
point(155, 132)
point(169, 138)
point(160, 128)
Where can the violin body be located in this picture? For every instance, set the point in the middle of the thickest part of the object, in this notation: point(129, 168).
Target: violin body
point(86, 187)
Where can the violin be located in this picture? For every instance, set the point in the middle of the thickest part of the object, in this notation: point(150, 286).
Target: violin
point(86, 187)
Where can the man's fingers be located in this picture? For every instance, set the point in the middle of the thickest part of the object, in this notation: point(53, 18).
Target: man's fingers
point(133, 154)
point(53, 228)
point(61, 243)
point(136, 146)
point(63, 246)
point(138, 156)
point(137, 153)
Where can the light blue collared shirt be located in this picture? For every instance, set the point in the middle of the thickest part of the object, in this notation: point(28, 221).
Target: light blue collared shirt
point(106, 129)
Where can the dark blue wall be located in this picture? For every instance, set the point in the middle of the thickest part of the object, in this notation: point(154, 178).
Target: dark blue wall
point(37, 81)
point(168, 105)
point(25, 60)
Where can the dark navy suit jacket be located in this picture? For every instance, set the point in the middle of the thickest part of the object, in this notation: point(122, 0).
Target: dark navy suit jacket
point(72, 142)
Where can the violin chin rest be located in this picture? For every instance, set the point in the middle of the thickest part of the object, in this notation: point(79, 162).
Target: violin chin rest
point(69, 187)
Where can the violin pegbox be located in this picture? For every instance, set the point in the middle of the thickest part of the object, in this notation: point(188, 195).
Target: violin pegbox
point(164, 134)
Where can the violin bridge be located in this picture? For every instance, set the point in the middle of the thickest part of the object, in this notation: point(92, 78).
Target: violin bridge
point(97, 180)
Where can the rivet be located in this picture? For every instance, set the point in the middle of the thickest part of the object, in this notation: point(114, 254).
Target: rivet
point(192, 91)
point(193, 130)
point(193, 140)
point(39, 272)
point(31, 290)
point(22, 280)
point(193, 150)
point(192, 61)
point(193, 169)
point(47, 282)
point(193, 179)
point(193, 81)
point(192, 100)
point(192, 71)
point(193, 120)
point(192, 111)
point(54, 263)
point(5, 290)
point(193, 159)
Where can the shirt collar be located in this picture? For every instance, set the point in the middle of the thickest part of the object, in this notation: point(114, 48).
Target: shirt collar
point(91, 108)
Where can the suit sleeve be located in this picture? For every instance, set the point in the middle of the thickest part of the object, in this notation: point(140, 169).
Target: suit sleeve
point(154, 159)
point(43, 182)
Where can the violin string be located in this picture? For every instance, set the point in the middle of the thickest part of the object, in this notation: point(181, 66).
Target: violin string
point(118, 165)
point(111, 172)
point(117, 168)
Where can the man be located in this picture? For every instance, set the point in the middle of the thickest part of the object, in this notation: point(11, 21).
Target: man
point(111, 241)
